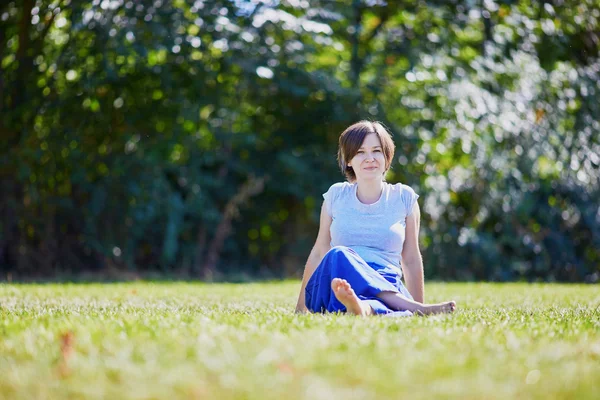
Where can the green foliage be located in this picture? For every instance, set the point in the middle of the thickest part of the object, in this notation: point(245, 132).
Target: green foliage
point(181, 340)
point(192, 137)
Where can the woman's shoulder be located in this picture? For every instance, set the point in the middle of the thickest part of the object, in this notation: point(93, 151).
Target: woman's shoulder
point(337, 192)
point(340, 187)
point(401, 189)
point(405, 194)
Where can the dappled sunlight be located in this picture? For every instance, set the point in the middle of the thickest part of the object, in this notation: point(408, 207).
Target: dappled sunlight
point(136, 132)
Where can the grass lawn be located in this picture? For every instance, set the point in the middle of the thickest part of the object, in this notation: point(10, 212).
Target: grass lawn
point(191, 340)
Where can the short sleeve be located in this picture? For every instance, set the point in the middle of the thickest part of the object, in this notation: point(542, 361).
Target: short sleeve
point(409, 198)
point(328, 197)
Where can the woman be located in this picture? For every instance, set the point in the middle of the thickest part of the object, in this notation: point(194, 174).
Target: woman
point(367, 227)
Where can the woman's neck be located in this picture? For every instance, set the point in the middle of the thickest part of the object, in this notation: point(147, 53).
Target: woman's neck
point(369, 192)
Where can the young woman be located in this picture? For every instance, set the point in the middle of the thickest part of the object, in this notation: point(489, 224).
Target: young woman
point(368, 228)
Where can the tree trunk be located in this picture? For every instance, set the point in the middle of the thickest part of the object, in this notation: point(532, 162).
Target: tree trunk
point(251, 188)
point(355, 63)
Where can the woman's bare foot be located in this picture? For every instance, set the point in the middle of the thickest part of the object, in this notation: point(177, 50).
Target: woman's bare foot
point(345, 294)
point(441, 308)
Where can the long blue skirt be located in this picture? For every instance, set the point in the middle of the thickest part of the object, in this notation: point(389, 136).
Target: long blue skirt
point(367, 280)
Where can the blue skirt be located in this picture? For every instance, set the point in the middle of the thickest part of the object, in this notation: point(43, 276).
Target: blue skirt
point(367, 280)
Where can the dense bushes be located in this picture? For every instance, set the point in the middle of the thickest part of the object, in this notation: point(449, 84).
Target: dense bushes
point(196, 137)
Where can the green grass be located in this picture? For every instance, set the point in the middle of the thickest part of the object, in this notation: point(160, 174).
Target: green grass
point(187, 340)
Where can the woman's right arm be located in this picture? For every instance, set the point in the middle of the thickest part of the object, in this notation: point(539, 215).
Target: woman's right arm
point(321, 247)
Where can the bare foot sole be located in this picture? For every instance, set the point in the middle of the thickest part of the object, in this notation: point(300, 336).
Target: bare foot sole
point(345, 294)
point(441, 308)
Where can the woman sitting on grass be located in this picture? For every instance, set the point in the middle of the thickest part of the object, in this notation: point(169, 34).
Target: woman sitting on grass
point(367, 228)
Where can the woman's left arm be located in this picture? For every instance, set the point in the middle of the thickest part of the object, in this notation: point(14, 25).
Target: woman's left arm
point(412, 262)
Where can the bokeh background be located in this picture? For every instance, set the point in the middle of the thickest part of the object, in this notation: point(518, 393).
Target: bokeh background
point(195, 138)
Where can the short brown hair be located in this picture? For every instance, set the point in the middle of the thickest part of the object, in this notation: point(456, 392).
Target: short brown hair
point(353, 137)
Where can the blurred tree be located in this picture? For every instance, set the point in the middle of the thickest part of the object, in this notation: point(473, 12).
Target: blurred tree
point(195, 137)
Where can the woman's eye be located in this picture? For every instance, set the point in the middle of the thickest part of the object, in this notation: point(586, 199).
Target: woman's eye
point(377, 151)
point(360, 152)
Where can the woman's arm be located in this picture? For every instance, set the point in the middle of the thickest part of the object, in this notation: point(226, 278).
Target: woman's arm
point(412, 262)
point(321, 247)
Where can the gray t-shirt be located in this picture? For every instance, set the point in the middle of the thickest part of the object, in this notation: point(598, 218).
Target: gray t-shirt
point(375, 231)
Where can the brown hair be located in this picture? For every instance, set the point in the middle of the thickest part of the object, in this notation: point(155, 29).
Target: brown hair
point(353, 137)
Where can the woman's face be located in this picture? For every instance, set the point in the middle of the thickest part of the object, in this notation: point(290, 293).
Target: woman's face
point(369, 161)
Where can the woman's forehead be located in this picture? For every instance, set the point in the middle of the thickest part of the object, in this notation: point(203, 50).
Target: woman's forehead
point(371, 140)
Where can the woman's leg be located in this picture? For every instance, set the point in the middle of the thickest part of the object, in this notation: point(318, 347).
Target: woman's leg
point(342, 262)
point(401, 300)
point(344, 282)
point(398, 301)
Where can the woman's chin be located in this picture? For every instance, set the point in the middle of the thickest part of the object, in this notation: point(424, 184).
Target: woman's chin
point(370, 177)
